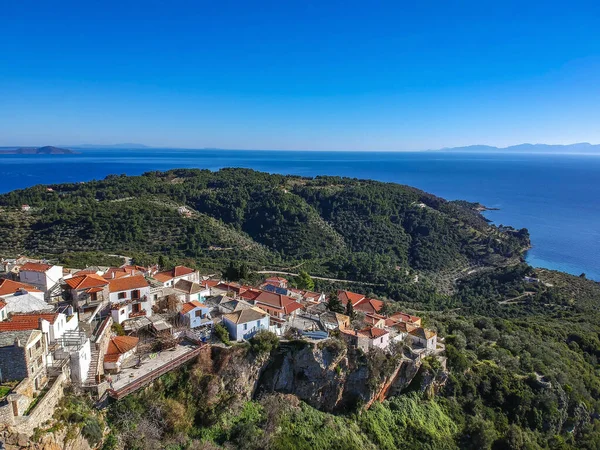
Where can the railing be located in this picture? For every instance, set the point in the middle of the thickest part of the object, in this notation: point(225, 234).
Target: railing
point(253, 331)
point(149, 377)
point(138, 314)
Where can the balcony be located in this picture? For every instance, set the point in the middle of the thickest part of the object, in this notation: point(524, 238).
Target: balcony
point(137, 314)
point(128, 301)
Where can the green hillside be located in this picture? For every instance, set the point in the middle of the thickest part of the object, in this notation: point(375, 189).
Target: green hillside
point(268, 221)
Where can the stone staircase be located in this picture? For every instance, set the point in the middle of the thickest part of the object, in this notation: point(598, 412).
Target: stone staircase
point(93, 370)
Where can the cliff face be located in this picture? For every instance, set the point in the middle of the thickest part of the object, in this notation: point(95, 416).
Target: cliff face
point(12, 440)
point(328, 376)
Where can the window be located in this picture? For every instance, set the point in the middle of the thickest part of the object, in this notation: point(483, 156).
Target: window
point(135, 294)
point(381, 340)
point(38, 344)
point(245, 326)
point(39, 362)
point(122, 311)
point(198, 313)
point(122, 295)
point(94, 296)
point(136, 308)
point(258, 323)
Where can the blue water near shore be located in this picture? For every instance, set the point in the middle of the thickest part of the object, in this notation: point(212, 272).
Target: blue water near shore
point(555, 196)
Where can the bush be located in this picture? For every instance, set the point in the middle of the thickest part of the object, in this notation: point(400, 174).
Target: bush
point(118, 328)
point(222, 334)
point(264, 342)
point(92, 431)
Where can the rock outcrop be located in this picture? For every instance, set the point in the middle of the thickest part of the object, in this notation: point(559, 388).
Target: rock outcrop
point(328, 376)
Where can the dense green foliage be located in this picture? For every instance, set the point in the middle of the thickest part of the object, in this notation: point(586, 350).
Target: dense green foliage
point(345, 228)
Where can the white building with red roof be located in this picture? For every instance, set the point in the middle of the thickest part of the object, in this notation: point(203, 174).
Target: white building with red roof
point(170, 277)
point(42, 276)
point(277, 282)
point(196, 314)
point(367, 338)
point(22, 298)
point(279, 307)
point(360, 302)
point(129, 297)
point(119, 349)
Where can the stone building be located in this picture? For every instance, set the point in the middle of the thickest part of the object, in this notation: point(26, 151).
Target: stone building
point(23, 355)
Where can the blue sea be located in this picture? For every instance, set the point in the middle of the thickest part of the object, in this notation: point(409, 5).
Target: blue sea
point(555, 196)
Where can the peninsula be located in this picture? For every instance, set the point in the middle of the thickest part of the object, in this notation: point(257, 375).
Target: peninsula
point(46, 150)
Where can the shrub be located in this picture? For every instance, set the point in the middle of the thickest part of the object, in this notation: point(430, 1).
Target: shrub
point(222, 334)
point(264, 342)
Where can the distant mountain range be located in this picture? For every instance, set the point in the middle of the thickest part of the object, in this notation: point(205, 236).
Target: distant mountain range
point(580, 148)
point(115, 146)
point(46, 150)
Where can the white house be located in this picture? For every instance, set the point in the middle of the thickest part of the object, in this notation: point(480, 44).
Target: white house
point(76, 348)
point(42, 276)
point(52, 325)
point(170, 277)
point(424, 338)
point(245, 323)
point(368, 338)
point(119, 349)
point(129, 298)
point(192, 290)
point(196, 314)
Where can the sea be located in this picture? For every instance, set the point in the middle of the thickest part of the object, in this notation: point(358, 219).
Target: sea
point(557, 197)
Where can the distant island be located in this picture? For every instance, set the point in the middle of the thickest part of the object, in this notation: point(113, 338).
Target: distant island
point(46, 150)
point(579, 148)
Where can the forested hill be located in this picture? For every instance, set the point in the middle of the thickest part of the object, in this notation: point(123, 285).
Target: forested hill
point(344, 227)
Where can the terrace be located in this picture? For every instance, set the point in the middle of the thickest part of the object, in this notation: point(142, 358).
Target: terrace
point(136, 375)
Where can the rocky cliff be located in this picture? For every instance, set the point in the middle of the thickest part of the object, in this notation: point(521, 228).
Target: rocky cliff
point(328, 376)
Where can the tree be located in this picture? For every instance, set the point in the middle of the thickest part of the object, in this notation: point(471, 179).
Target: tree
point(304, 281)
point(350, 310)
point(334, 304)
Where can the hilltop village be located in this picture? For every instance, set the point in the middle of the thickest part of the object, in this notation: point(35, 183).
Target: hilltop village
point(110, 331)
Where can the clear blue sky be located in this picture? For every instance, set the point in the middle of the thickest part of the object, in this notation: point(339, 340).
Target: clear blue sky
point(345, 75)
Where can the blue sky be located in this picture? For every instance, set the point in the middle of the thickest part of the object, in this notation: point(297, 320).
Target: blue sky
point(351, 75)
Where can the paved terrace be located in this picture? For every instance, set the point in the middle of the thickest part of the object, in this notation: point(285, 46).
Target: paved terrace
point(154, 365)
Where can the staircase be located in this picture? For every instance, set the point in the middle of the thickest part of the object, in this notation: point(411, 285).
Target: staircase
point(93, 370)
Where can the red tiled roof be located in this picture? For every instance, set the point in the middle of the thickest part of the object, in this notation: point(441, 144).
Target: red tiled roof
point(209, 283)
point(29, 321)
point(403, 317)
point(118, 346)
point(372, 332)
point(422, 333)
point(116, 272)
point(84, 272)
point(8, 287)
point(127, 283)
point(94, 289)
point(177, 271)
point(190, 306)
point(276, 280)
point(360, 302)
point(250, 294)
point(282, 303)
point(86, 281)
point(233, 287)
point(35, 267)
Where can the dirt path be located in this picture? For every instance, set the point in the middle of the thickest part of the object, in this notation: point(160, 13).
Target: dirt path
point(513, 300)
point(279, 272)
